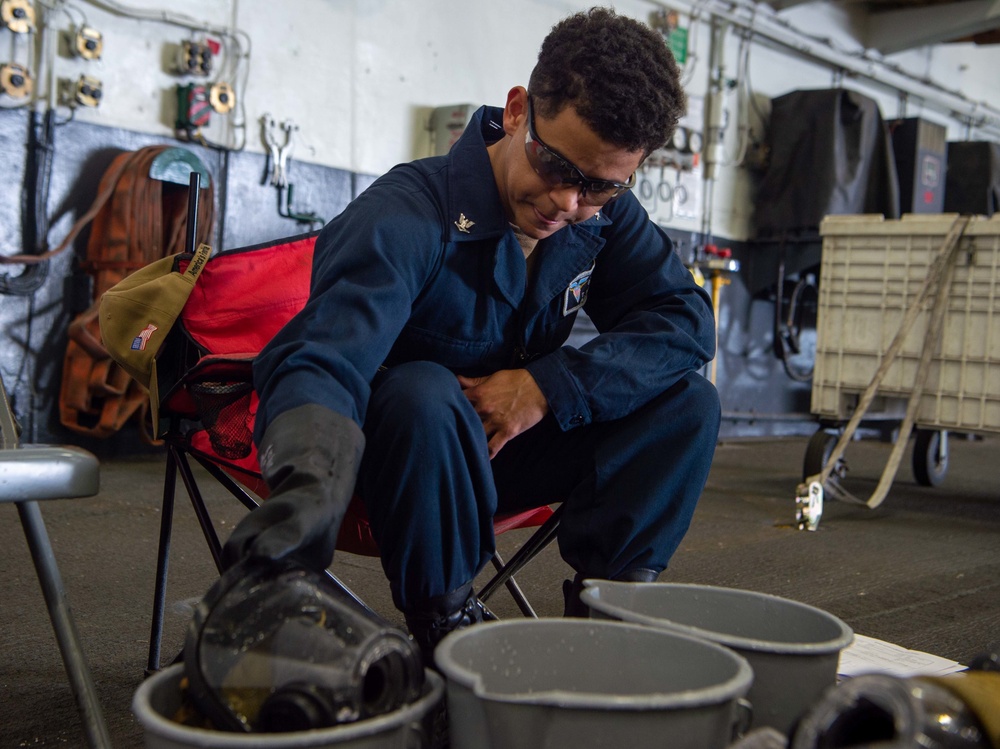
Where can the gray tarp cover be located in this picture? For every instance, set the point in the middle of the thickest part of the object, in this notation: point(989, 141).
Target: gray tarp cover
point(830, 153)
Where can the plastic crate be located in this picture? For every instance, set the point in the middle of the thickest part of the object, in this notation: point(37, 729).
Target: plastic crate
point(871, 271)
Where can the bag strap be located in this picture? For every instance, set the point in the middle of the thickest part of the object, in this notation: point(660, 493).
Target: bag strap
point(106, 189)
point(80, 331)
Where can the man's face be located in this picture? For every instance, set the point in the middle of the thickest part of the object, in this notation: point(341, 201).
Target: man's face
point(535, 197)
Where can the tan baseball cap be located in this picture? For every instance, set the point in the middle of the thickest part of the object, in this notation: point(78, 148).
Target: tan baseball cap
point(137, 313)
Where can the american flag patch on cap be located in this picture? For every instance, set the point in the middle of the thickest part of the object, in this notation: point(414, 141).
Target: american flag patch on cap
point(140, 341)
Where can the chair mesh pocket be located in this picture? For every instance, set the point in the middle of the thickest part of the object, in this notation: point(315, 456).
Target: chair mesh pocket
point(224, 411)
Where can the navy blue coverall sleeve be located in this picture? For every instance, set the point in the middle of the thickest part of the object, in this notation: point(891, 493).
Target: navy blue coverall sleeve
point(368, 267)
point(655, 325)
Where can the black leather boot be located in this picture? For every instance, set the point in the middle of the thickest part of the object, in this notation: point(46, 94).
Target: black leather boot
point(434, 618)
point(574, 607)
point(429, 622)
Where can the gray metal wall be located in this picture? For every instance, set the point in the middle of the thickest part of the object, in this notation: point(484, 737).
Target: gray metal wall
point(758, 397)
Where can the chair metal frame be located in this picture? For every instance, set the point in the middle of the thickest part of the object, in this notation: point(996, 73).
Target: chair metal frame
point(178, 464)
point(33, 473)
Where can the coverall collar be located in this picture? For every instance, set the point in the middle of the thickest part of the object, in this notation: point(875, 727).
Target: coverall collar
point(475, 210)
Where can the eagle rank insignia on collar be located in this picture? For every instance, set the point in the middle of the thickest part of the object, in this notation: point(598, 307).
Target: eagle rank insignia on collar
point(464, 224)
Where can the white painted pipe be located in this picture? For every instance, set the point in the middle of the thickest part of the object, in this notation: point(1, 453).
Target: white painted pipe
point(764, 23)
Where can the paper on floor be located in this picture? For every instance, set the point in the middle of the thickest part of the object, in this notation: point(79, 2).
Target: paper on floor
point(868, 655)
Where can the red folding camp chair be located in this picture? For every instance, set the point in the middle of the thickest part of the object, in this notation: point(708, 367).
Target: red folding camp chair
point(241, 299)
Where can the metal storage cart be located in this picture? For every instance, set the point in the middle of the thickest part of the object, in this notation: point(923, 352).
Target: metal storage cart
point(891, 347)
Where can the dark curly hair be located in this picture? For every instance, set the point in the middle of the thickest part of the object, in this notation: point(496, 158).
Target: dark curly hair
point(616, 72)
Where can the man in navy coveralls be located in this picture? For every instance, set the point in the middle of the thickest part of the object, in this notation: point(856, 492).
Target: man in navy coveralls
point(428, 371)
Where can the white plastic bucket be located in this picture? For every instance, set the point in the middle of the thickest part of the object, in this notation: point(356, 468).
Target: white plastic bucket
point(159, 697)
point(793, 648)
point(582, 684)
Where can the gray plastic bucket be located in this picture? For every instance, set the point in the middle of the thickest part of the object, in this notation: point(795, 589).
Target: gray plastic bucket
point(159, 697)
point(558, 683)
point(793, 648)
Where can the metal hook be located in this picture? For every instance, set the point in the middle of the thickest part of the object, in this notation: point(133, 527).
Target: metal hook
point(279, 153)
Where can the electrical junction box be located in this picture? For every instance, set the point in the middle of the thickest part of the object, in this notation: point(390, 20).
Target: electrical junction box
point(447, 125)
point(87, 92)
point(15, 80)
point(194, 108)
point(17, 15)
point(221, 97)
point(195, 58)
point(921, 152)
point(88, 43)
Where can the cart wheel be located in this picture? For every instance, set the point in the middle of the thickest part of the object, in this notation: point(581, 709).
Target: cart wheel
point(818, 453)
point(930, 457)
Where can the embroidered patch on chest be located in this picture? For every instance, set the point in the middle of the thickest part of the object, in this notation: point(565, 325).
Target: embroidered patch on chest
point(575, 295)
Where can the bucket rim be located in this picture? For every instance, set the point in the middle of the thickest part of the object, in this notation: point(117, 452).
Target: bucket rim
point(589, 595)
point(204, 738)
point(733, 688)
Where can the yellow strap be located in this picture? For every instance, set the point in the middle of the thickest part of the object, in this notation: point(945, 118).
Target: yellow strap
point(980, 690)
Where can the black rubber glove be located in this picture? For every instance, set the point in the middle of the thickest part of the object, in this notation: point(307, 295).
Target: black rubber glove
point(309, 457)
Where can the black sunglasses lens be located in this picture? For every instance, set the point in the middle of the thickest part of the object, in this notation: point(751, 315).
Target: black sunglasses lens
point(600, 197)
point(555, 171)
point(548, 165)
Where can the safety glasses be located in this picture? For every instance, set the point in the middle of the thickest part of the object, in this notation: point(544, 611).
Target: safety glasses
point(556, 170)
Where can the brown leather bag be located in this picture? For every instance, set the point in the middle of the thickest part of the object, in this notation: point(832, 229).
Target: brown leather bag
point(136, 219)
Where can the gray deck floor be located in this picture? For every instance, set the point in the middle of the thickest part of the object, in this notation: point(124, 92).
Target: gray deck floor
point(922, 571)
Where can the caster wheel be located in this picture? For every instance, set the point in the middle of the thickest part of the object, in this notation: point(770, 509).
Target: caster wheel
point(818, 453)
point(930, 457)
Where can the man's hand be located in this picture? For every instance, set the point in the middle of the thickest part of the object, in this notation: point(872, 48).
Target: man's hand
point(508, 402)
